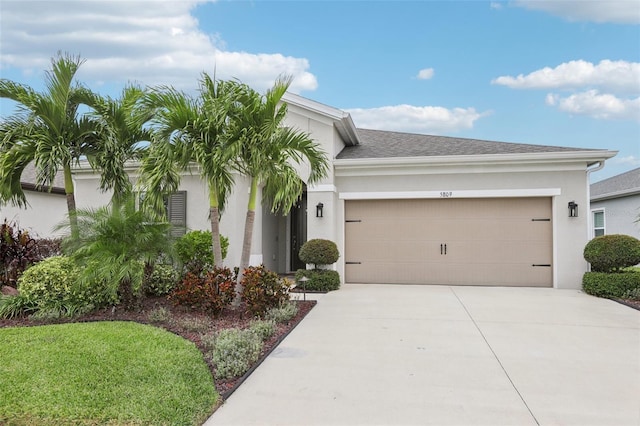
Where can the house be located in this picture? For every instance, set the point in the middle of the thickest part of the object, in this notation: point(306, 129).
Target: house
point(615, 205)
point(410, 208)
point(47, 207)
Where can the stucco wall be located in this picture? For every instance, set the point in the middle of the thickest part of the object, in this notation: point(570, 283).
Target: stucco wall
point(44, 212)
point(620, 215)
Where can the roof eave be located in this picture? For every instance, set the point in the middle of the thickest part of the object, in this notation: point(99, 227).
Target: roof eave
point(617, 194)
point(590, 157)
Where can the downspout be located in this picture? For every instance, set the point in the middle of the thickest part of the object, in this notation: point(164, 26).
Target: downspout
point(589, 171)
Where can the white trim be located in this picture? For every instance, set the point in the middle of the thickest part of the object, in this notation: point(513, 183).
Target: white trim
point(449, 193)
point(322, 188)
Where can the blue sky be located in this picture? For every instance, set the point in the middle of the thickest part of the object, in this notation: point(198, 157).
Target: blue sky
point(544, 72)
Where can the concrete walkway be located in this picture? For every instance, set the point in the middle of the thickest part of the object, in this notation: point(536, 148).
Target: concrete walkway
point(436, 355)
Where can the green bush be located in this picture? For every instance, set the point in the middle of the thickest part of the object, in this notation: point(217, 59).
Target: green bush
point(54, 284)
point(263, 289)
point(210, 293)
point(604, 284)
point(612, 253)
point(263, 328)
point(319, 252)
point(235, 351)
point(283, 313)
point(319, 279)
point(195, 253)
point(162, 280)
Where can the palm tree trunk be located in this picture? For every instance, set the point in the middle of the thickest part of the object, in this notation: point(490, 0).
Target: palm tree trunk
point(71, 201)
point(248, 236)
point(214, 216)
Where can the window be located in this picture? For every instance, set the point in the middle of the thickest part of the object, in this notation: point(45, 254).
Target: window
point(598, 223)
point(176, 208)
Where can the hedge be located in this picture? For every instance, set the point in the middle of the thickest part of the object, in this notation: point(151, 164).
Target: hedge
point(319, 279)
point(604, 284)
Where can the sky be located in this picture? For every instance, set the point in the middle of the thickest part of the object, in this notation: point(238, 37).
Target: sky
point(564, 73)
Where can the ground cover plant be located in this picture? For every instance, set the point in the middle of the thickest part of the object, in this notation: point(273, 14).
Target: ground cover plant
point(102, 372)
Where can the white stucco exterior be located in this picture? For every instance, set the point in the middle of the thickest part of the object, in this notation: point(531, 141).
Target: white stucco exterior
point(621, 215)
point(45, 211)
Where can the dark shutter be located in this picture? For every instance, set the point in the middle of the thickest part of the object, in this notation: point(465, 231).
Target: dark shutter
point(177, 212)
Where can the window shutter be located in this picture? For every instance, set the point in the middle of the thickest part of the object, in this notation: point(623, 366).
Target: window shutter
point(177, 212)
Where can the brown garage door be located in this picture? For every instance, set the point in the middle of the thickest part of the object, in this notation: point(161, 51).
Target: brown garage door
point(501, 241)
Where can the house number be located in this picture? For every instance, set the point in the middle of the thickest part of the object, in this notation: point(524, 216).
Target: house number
point(446, 194)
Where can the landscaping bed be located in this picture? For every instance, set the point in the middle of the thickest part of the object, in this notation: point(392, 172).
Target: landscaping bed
point(191, 325)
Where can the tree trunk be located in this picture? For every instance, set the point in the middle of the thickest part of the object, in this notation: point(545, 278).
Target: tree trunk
point(71, 202)
point(215, 236)
point(248, 236)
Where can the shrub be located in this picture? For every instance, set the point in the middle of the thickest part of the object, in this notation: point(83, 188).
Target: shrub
point(18, 251)
point(54, 284)
point(612, 253)
point(283, 313)
point(319, 252)
point(161, 281)
point(319, 279)
point(263, 289)
point(195, 324)
point(604, 284)
point(195, 253)
point(14, 306)
point(263, 328)
point(160, 314)
point(210, 293)
point(235, 351)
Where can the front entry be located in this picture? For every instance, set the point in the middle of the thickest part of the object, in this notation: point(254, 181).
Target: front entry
point(298, 215)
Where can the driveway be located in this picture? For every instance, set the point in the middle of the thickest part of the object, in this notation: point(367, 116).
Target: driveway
point(421, 355)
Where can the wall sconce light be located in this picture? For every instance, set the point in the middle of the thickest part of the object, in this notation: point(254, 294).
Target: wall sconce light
point(573, 209)
point(319, 208)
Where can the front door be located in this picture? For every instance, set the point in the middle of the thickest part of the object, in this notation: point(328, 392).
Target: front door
point(298, 217)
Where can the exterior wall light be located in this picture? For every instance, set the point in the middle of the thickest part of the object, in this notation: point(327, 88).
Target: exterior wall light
point(573, 209)
point(319, 208)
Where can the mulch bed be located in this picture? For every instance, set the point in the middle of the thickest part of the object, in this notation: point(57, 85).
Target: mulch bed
point(180, 316)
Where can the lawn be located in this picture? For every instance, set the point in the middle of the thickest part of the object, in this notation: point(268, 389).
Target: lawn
point(119, 373)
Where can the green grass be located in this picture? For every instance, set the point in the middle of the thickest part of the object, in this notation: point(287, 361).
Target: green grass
point(117, 373)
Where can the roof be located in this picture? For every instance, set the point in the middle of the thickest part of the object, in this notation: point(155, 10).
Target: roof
point(386, 144)
point(342, 120)
point(621, 185)
point(29, 179)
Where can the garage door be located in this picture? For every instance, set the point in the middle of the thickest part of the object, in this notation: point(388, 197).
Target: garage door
point(502, 241)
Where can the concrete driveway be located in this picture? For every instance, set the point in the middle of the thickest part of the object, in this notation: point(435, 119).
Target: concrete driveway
point(420, 355)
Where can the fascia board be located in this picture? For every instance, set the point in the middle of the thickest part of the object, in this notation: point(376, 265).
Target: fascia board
point(617, 194)
point(491, 159)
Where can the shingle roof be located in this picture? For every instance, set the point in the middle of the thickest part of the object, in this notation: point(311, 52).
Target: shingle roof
point(384, 144)
point(29, 179)
point(624, 184)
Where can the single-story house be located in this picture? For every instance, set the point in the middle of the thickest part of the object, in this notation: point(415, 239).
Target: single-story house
point(615, 205)
point(47, 207)
point(412, 208)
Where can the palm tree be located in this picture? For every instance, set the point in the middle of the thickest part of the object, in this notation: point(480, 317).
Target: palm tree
point(191, 132)
point(120, 137)
point(117, 245)
point(267, 154)
point(47, 129)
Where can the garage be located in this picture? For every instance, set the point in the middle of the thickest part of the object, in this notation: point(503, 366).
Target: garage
point(450, 241)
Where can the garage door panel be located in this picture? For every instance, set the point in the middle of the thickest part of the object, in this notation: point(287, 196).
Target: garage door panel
point(487, 241)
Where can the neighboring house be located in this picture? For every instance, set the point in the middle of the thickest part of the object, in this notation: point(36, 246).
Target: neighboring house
point(615, 205)
point(408, 208)
point(47, 207)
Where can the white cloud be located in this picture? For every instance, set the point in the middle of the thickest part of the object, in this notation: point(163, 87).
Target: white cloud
point(419, 119)
point(597, 105)
point(629, 160)
point(615, 11)
point(425, 74)
point(150, 41)
point(495, 5)
point(610, 75)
